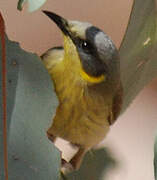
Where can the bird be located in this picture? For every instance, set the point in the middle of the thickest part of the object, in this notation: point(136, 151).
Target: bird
point(86, 76)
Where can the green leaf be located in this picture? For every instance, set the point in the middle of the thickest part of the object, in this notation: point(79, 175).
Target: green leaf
point(20, 4)
point(31, 103)
point(138, 50)
point(33, 4)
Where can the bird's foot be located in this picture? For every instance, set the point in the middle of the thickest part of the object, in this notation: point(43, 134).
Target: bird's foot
point(66, 167)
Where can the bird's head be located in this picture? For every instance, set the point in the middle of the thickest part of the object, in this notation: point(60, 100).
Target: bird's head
point(90, 49)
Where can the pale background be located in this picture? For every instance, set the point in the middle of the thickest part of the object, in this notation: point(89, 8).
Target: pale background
point(131, 139)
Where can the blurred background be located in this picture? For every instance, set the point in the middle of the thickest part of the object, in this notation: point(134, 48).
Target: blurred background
point(131, 139)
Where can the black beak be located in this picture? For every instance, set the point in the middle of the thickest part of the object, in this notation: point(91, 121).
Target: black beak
point(60, 21)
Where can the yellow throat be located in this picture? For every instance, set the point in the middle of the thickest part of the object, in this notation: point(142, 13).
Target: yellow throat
point(71, 56)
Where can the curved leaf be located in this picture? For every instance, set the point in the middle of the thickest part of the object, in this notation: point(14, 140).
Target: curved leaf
point(138, 50)
point(33, 5)
point(31, 104)
point(20, 4)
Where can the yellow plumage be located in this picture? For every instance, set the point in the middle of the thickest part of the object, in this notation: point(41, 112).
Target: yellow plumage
point(87, 82)
point(82, 115)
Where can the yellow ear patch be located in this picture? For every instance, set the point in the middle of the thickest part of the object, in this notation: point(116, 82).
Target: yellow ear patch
point(92, 79)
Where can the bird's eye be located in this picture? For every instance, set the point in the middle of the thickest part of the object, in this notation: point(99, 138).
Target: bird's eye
point(86, 46)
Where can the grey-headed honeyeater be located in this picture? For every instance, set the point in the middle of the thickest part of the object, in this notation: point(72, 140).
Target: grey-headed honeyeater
point(86, 76)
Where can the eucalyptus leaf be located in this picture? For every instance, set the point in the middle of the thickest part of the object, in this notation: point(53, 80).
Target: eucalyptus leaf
point(138, 51)
point(33, 5)
point(20, 4)
point(31, 103)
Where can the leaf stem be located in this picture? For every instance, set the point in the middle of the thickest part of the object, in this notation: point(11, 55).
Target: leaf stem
point(4, 95)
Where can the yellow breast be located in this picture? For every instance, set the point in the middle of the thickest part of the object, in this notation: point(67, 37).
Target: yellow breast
point(81, 116)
